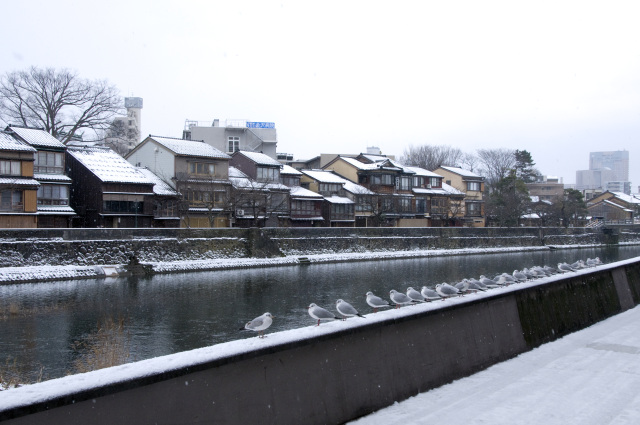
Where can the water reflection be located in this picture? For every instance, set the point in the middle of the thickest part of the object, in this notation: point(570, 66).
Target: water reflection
point(170, 313)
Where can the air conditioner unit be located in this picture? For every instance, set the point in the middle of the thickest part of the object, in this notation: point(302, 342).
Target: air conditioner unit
point(239, 213)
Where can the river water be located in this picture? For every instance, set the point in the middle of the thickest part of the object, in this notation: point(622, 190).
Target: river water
point(41, 323)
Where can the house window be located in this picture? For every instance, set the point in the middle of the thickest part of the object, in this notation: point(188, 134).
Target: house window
point(305, 208)
point(201, 168)
point(11, 200)
point(473, 208)
point(48, 163)
point(10, 168)
point(418, 181)
point(131, 207)
point(473, 186)
point(382, 179)
point(268, 174)
point(405, 183)
point(234, 144)
point(329, 188)
point(51, 194)
point(421, 206)
point(342, 211)
point(405, 204)
point(435, 182)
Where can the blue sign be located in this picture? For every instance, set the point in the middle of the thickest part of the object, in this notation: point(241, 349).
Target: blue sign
point(261, 124)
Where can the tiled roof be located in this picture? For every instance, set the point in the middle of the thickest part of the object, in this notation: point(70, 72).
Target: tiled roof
point(9, 143)
point(422, 172)
point(52, 177)
point(37, 137)
point(108, 166)
point(18, 181)
point(190, 148)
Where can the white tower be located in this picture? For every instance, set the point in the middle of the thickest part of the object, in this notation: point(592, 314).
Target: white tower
point(134, 115)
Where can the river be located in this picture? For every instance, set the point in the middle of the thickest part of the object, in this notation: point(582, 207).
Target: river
point(49, 327)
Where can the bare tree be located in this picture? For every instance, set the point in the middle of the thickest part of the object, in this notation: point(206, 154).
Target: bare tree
point(431, 157)
point(58, 101)
point(495, 165)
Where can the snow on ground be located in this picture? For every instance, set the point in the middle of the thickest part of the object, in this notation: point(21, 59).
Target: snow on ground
point(52, 272)
point(591, 377)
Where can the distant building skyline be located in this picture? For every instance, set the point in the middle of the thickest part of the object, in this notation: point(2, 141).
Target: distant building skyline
point(606, 169)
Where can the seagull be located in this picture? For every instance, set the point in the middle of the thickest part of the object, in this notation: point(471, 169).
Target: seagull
point(519, 276)
point(550, 270)
point(429, 294)
point(578, 264)
point(445, 290)
point(376, 302)
point(259, 324)
point(320, 313)
point(462, 286)
point(399, 298)
point(564, 268)
point(474, 285)
point(415, 295)
point(489, 283)
point(346, 309)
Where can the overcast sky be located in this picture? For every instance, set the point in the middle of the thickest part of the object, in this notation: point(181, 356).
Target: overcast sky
point(559, 79)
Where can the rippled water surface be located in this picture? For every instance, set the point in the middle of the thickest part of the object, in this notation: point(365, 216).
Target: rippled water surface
point(164, 314)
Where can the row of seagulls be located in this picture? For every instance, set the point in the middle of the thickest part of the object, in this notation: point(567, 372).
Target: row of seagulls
point(413, 296)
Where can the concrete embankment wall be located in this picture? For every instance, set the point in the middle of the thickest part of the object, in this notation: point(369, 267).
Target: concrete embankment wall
point(337, 371)
point(90, 247)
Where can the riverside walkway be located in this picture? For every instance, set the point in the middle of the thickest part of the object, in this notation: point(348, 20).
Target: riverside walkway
point(591, 377)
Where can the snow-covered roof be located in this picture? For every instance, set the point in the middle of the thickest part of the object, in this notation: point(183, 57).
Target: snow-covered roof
point(287, 169)
point(450, 190)
point(359, 164)
point(324, 176)
point(37, 137)
point(9, 143)
point(356, 189)
point(339, 200)
point(630, 199)
point(160, 187)
point(613, 204)
point(18, 181)
point(236, 173)
point(260, 158)
point(422, 172)
point(58, 178)
point(108, 166)
point(536, 199)
point(189, 147)
point(301, 192)
point(55, 210)
point(460, 171)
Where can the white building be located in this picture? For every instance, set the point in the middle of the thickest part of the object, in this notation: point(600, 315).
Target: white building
point(235, 135)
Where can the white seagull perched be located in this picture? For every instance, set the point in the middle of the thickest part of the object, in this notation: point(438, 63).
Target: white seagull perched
point(564, 268)
point(259, 324)
point(320, 313)
point(489, 283)
point(519, 276)
point(429, 294)
point(399, 298)
point(376, 302)
point(445, 290)
point(462, 286)
point(415, 295)
point(346, 309)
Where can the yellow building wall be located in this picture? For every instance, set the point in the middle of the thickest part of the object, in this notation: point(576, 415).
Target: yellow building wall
point(30, 201)
point(347, 171)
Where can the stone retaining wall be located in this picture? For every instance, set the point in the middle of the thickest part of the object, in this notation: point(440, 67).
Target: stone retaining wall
point(36, 247)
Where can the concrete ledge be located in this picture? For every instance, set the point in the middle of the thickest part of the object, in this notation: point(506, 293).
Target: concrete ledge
point(337, 371)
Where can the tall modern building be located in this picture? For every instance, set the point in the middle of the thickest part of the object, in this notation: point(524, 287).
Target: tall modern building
point(605, 168)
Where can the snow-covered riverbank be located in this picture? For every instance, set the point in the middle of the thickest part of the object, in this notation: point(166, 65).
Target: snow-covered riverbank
point(65, 272)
